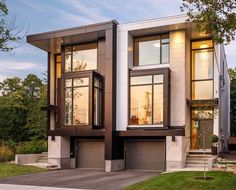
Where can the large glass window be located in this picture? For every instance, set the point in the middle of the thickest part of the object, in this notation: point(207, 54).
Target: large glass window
point(146, 100)
point(81, 57)
point(83, 103)
point(151, 50)
point(77, 101)
point(202, 70)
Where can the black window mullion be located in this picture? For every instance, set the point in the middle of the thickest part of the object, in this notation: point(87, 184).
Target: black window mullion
point(72, 101)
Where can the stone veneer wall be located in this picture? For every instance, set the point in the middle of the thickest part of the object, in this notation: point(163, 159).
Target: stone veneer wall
point(59, 152)
point(174, 149)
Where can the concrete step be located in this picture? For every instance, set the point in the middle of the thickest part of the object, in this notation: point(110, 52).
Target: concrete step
point(196, 165)
point(199, 156)
point(42, 161)
point(43, 158)
point(195, 162)
point(44, 153)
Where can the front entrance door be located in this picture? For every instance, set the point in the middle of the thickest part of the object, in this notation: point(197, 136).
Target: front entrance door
point(199, 128)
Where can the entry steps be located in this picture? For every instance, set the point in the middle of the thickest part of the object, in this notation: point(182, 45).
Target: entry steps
point(196, 160)
point(43, 162)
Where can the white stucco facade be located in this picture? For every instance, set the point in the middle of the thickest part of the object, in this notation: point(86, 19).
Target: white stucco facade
point(180, 69)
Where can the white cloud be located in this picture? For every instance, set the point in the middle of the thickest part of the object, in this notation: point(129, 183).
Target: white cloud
point(10, 65)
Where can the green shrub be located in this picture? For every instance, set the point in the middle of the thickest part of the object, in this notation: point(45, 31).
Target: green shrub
point(214, 139)
point(31, 147)
point(6, 154)
point(9, 149)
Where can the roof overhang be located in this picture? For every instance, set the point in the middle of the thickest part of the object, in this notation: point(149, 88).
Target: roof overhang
point(163, 25)
point(52, 41)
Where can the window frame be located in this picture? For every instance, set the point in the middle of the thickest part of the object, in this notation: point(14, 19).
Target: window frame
point(71, 47)
point(166, 97)
point(86, 74)
point(191, 66)
point(136, 42)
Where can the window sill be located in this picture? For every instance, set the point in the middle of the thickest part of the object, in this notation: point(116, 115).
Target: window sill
point(156, 66)
point(146, 127)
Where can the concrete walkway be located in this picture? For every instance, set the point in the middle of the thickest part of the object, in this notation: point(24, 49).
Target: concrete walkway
point(29, 187)
point(78, 179)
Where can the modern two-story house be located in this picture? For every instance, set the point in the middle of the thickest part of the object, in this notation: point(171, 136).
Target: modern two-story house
point(133, 96)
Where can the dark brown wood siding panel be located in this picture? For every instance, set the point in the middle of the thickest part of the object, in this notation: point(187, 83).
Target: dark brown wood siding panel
point(48, 95)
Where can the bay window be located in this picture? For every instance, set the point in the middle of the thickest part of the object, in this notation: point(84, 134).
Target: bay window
point(147, 99)
point(83, 100)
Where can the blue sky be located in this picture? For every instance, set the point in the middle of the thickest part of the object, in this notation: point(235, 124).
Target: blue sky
point(44, 15)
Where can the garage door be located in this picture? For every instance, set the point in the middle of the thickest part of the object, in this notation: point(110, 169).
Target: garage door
point(145, 155)
point(90, 154)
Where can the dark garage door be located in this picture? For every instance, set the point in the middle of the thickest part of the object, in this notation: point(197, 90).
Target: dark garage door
point(145, 155)
point(90, 154)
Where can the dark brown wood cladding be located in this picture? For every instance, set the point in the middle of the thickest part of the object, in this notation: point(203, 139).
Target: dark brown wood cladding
point(152, 133)
point(77, 131)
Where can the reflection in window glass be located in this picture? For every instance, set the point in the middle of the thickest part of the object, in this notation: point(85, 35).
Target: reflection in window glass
point(158, 78)
point(68, 83)
point(158, 105)
point(202, 65)
point(141, 80)
point(85, 57)
point(80, 105)
point(146, 100)
point(165, 53)
point(68, 59)
point(68, 106)
point(141, 105)
point(202, 114)
point(202, 90)
point(81, 82)
point(149, 52)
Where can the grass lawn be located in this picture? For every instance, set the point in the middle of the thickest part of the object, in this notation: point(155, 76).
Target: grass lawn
point(186, 181)
point(7, 170)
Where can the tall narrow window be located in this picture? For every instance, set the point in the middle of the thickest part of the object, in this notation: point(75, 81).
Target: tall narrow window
point(202, 70)
point(97, 107)
point(77, 101)
point(146, 100)
point(57, 75)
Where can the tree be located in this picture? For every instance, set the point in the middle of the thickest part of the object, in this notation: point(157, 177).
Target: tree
point(9, 86)
point(20, 116)
point(9, 32)
point(215, 17)
point(232, 74)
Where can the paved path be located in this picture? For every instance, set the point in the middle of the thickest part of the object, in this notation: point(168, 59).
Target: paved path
point(76, 178)
point(30, 187)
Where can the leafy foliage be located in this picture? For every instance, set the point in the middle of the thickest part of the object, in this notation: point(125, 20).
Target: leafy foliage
point(9, 32)
point(232, 74)
point(20, 116)
point(215, 17)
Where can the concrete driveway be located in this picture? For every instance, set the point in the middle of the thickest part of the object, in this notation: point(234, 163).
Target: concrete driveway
point(78, 179)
